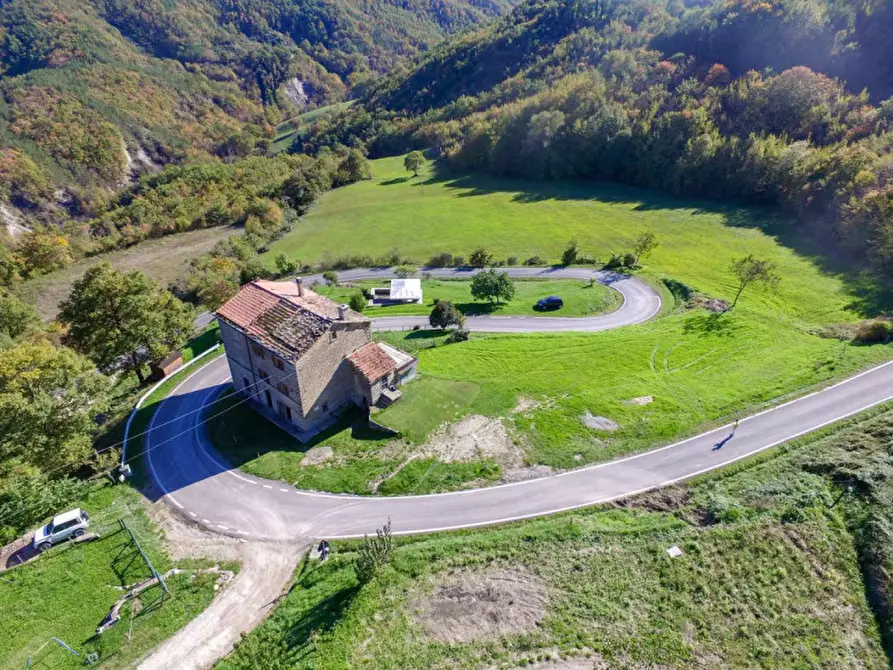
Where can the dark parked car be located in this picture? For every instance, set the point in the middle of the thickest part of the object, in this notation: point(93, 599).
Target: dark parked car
point(553, 302)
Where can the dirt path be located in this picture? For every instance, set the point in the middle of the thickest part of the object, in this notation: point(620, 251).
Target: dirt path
point(266, 571)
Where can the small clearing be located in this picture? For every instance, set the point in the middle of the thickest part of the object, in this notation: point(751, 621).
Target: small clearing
point(165, 259)
point(317, 456)
point(525, 404)
point(472, 438)
point(470, 605)
point(599, 422)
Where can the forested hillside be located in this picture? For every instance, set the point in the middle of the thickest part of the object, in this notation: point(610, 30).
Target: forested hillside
point(778, 102)
point(94, 93)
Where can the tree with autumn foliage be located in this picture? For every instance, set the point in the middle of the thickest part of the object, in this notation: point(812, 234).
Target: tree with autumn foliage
point(123, 320)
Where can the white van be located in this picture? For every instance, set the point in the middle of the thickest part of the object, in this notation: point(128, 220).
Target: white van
point(63, 527)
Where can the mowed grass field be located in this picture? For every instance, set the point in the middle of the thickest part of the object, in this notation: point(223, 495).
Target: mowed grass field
point(580, 298)
point(674, 376)
point(67, 593)
point(769, 577)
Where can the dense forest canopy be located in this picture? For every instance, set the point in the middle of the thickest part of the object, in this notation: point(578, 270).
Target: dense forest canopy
point(92, 93)
point(779, 102)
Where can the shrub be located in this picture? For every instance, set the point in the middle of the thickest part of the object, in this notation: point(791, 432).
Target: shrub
point(460, 335)
point(374, 554)
point(357, 302)
point(441, 260)
point(630, 260)
point(874, 332)
point(459, 261)
point(331, 277)
point(285, 266)
point(480, 258)
point(534, 260)
point(511, 260)
point(445, 314)
point(569, 257)
point(404, 271)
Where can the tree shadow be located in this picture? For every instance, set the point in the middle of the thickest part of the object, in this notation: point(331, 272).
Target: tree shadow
point(323, 617)
point(710, 323)
point(394, 181)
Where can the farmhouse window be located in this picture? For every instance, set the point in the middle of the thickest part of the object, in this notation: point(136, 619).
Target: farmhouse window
point(264, 375)
point(283, 389)
point(258, 351)
point(278, 362)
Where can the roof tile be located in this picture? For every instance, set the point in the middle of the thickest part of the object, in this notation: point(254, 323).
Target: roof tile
point(371, 362)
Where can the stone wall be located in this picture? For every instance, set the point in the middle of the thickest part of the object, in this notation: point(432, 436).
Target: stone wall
point(326, 377)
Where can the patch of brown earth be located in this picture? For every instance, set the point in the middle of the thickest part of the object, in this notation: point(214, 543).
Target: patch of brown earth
point(641, 400)
point(472, 438)
point(469, 605)
point(317, 456)
point(525, 404)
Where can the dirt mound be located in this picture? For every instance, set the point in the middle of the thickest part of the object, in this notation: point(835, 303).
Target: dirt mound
point(469, 605)
point(474, 437)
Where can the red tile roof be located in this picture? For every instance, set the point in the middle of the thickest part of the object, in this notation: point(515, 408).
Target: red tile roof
point(275, 321)
point(248, 304)
point(371, 362)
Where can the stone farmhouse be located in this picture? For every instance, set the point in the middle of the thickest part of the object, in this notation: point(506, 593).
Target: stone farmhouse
point(303, 359)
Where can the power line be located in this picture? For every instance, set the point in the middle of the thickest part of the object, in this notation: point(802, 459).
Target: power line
point(146, 450)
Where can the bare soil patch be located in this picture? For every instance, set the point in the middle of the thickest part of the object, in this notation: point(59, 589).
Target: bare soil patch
point(599, 422)
point(317, 456)
point(642, 400)
point(472, 438)
point(475, 605)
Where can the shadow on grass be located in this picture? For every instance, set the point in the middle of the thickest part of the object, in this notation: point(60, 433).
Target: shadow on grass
point(710, 323)
point(243, 433)
point(323, 617)
point(394, 181)
point(871, 295)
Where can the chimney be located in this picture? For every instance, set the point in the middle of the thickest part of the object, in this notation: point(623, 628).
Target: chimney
point(341, 310)
point(300, 287)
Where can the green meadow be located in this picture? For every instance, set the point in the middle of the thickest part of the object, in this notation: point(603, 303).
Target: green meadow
point(775, 572)
point(67, 592)
point(580, 298)
point(684, 372)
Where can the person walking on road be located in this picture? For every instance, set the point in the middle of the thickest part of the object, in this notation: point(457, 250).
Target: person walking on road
point(719, 445)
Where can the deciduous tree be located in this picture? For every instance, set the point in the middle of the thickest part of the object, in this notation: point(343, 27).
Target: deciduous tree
point(123, 319)
point(445, 315)
point(49, 397)
point(413, 162)
point(493, 286)
point(750, 270)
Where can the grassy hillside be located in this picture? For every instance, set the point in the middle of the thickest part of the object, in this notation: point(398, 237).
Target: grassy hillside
point(68, 592)
point(696, 367)
point(775, 573)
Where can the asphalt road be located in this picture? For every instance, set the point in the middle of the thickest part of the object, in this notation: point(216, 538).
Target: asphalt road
point(196, 480)
point(640, 301)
